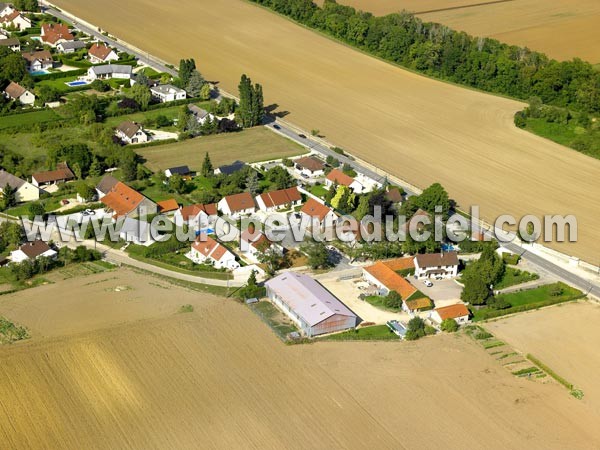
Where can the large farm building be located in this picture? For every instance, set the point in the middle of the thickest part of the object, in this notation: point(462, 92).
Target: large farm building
point(312, 307)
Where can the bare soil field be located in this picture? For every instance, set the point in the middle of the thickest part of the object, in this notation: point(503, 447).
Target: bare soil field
point(420, 129)
point(219, 378)
point(564, 338)
point(562, 29)
point(256, 144)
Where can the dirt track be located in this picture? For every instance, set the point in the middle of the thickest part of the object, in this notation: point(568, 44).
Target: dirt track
point(419, 129)
point(562, 29)
point(218, 378)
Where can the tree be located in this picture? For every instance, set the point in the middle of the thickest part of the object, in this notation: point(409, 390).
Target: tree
point(210, 126)
point(205, 92)
point(36, 209)
point(177, 183)
point(95, 168)
point(194, 84)
point(475, 291)
point(141, 78)
point(128, 164)
point(207, 167)
point(271, 259)
point(434, 195)
point(10, 235)
point(9, 196)
point(280, 177)
point(85, 191)
point(449, 326)
point(363, 208)
point(46, 94)
point(393, 300)
point(73, 153)
point(12, 67)
point(333, 162)
point(415, 329)
point(250, 111)
point(186, 67)
point(252, 183)
point(318, 255)
point(142, 95)
point(193, 127)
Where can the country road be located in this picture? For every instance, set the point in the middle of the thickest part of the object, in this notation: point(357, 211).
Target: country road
point(318, 145)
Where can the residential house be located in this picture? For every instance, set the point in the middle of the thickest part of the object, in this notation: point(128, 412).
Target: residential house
point(309, 305)
point(12, 43)
point(122, 200)
point(199, 217)
point(70, 46)
point(183, 171)
point(318, 212)
point(16, 92)
point(61, 174)
point(6, 9)
point(458, 312)
point(136, 231)
point(200, 114)
point(230, 169)
point(38, 60)
point(55, 33)
point(167, 93)
point(100, 53)
point(15, 20)
point(131, 133)
point(32, 251)
point(280, 199)
point(110, 71)
point(309, 167)
point(168, 207)
point(4, 34)
point(253, 243)
point(339, 178)
point(25, 191)
point(205, 250)
point(237, 205)
point(436, 265)
point(394, 195)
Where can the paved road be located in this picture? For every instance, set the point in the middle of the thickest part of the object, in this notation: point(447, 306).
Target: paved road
point(293, 133)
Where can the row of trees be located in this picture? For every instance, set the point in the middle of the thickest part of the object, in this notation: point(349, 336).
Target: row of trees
point(439, 51)
point(251, 110)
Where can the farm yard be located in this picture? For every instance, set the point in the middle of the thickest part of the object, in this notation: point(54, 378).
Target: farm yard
point(256, 144)
point(400, 122)
point(112, 361)
point(562, 29)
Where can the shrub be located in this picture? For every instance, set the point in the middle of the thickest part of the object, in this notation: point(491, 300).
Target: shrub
point(509, 258)
point(186, 308)
point(449, 326)
point(483, 335)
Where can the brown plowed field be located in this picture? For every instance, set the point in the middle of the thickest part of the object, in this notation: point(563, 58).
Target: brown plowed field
point(562, 29)
point(419, 129)
point(147, 377)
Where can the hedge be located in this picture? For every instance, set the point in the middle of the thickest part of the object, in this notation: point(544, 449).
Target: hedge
point(186, 101)
point(153, 143)
point(509, 258)
point(549, 371)
point(485, 315)
point(58, 75)
point(81, 64)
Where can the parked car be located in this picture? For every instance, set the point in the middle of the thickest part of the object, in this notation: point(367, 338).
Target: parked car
point(90, 212)
point(303, 136)
point(277, 127)
point(427, 283)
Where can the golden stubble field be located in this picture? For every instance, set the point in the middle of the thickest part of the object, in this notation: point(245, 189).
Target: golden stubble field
point(147, 377)
point(422, 130)
point(565, 338)
point(563, 29)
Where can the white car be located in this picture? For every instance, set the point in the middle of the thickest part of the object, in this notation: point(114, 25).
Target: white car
point(427, 283)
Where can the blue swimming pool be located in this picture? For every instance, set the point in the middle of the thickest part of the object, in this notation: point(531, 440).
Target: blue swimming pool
point(205, 230)
point(77, 83)
point(448, 248)
point(39, 72)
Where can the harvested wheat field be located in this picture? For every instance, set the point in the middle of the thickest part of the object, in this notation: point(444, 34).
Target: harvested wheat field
point(420, 129)
point(562, 29)
point(564, 338)
point(218, 378)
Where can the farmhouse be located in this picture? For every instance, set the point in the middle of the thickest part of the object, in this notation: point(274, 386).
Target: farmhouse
point(39, 60)
point(438, 265)
point(109, 71)
point(70, 46)
point(183, 171)
point(318, 212)
point(12, 43)
point(62, 174)
point(54, 33)
point(167, 93)
point(25, 191)
point(200, 114)
point(205, 250)
point(230, 169)
point(32, 251)
point(309, 305)
point(198, 216)
point(100, 53)
point(15, 20)
point(131, 133)
point(309, 166)
point(124, 201)
point(16, 92)
point(274, 200)
point(237, 205)
point(458, 312)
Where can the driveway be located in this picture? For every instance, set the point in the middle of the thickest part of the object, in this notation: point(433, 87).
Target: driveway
point(443, 292)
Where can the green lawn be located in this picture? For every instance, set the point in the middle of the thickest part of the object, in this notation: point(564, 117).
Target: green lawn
point(178, 263)
point(379, 302)
point(565, 134)
point(372, 333)
point(514, 276)
point(319, 190)
point(29, 118)
point(60, 84)
point(529, 299)
point(144, 116)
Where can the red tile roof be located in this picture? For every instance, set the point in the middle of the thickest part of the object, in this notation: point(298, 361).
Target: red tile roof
point(191, 211)
point(391, 280)
point(53, 32)
point(311, 163)
point(14, 90)
point(62, 173)
point(339, 177)
point(452, 311)
point(122, 199)
point(168, 205)
point(209, 248)
point(240, 202)
point(259, 241)
point(99, 51)
point(281, 197)
point(315, 209)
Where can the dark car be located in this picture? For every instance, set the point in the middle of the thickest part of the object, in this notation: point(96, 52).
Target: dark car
point(277, 127)
point(303, 136)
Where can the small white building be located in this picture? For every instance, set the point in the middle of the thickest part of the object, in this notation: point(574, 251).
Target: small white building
point(201, 115)
point(32, 251)
point(15, 19)
point(310, 167)
point(198, 217)
point(131, 133)
point(70, 46)
point(436, 265)
point(12, 43)
point(280, 199)
point(100, 53)
point(205, 250)
point(38, 60)
point(458, 312)
point(109, 71)
point(16, 92)
point(237, 205)
point(6, 9)
point(25, 191)
point(183, 171)
point(167, 93)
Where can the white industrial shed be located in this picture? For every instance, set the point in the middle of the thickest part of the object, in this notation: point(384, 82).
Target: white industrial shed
point(312, 307)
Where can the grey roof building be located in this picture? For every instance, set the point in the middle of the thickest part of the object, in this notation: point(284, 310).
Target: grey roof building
point(110, 71)
point(313, 308)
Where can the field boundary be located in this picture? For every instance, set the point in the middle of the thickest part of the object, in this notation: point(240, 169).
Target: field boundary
point(452, 8)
